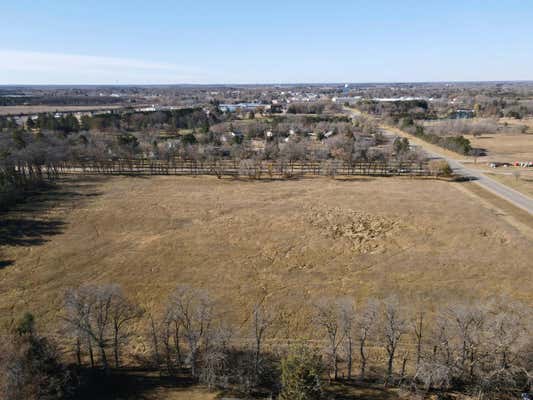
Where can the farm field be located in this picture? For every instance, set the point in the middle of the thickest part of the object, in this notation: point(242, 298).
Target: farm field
point(522, 183)
point(16, 110)
point(527, 122)
point(504, 147)
point(285, 242)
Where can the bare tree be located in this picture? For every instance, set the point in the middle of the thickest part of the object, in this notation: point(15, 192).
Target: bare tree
point(170, 328)
point(262, 319)
point(394, 327)
point(468, 321)
point(78, 304)
point(327, 317)
point(508, 327)
point(433, 375)
point(165, 335)
point(99, 320)
point(405, 359)
point(177, 345)
point(193, 308)
point(215, 371)
point(347, 320)
point(366, 323)
point(418, 328)
point(99, 312)
point(76, 333)
point(442, 350)
point(250, 168)
point(123, 311)
point(155, 342)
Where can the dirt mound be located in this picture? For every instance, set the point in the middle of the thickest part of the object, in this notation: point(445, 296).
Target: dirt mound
point(363, 230)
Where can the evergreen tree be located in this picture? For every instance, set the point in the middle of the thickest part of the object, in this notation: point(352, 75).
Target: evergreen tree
point(300, 374)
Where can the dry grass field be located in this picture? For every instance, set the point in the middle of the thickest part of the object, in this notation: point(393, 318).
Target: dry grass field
point(288, 242)
point(527, 122)
point(505, 147)
point(522, 183)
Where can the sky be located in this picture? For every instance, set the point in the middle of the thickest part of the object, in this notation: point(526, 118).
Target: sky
point(269, 41)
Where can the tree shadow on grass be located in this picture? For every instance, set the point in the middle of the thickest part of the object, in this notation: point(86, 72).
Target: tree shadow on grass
point(352, 390)
point(265, 179)
point(366, 178)
point(25, 222)
point(28, 232)
point(64, 193)
point(129, 384)
point(5, 263)
point(465, 178)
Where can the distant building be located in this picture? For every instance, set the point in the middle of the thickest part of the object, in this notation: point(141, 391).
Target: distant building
point(462, 114)
point(146, 109)
point(240, 106)
point(276, 108)
point(156, 107)
point(402, 98)
point(344, 100)
point(232, 136)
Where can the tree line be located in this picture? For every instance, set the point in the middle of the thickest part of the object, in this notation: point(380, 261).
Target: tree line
point(481, 349)
point(407, 116)
point(36, 156)
point(456, 143)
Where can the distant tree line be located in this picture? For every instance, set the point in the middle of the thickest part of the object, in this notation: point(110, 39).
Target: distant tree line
point(306, 108)
point(396, 110)
point(186, 118)
point(406, 114)
point(455, 143)
point(59, 100)
point(38, 154)
point(7, 123)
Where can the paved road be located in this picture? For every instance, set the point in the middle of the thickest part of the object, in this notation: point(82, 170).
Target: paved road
point(514, 197)
point(499, 189)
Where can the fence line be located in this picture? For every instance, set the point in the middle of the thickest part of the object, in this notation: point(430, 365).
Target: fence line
point(250, 168)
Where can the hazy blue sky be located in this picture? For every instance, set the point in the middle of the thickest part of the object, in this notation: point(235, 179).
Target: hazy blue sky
point(226, 41)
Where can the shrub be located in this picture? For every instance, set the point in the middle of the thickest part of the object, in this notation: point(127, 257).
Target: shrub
point(30, 368)
point(300, 374)
point(440, 168)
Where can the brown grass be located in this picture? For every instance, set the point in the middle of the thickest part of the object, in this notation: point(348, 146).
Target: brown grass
point(505, 147)
point(515, 216)
point(523, 183)
point(528, 122)
point(289, 242)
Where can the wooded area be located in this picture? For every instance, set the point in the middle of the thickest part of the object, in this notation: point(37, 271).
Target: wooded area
point(483, 349)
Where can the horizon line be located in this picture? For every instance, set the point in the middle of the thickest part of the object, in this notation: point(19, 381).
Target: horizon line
point(267, 83)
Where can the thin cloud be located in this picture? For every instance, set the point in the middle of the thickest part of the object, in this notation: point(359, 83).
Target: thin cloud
point(20, 67)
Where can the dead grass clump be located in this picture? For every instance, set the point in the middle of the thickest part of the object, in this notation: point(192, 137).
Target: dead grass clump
point(363, 230)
